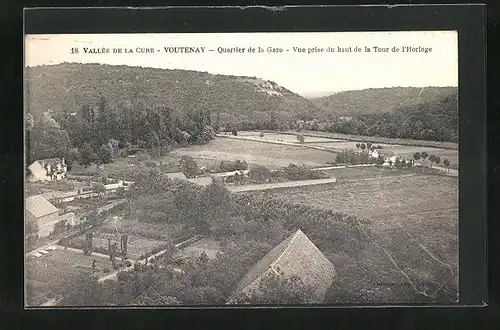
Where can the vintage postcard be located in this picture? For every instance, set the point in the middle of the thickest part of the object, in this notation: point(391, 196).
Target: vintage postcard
point(241, 169)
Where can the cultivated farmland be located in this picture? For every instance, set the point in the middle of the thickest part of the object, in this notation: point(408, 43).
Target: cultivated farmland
point(412, 216)
point(379, 197)
point(269, 155)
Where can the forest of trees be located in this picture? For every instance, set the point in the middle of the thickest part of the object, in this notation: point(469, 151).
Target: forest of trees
point(96, 132)
point(437, 121)
point(189, 100)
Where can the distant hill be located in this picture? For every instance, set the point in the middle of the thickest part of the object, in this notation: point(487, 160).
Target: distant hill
point(382, 100)
point(67, 87)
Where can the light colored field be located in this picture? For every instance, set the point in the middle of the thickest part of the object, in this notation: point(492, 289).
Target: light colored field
point(379, 197)
point(424, 206)
point(413, 217)
point(377, 139)
point(269, 155)
point(277, 137)
point(208, 245)
point(359, 172)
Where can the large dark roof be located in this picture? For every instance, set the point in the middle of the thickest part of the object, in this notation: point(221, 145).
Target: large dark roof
point(298, 256)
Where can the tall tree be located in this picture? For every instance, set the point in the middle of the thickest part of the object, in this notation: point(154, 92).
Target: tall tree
point(87, 155)
point(47, 139)
point(105, 154)
point(446, 163)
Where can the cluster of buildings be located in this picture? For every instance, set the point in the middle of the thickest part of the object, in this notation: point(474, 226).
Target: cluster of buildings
point(389, 161)
point(40, 211)
point(48, 170)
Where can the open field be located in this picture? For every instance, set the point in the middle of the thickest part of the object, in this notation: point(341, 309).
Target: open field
point(269, 155)
point(347, 173)
point(48, 274)
point(412, 216)
point(278, 137)
point(379, 197)
point(377, 139)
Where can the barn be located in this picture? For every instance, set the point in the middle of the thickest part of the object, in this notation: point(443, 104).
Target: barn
point(295, 256)
point(43, 213)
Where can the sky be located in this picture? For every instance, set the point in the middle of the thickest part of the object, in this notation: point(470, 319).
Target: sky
point(310, 74)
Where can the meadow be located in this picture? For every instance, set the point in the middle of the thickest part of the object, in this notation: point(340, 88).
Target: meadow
point(413, 226)
point(254, 153)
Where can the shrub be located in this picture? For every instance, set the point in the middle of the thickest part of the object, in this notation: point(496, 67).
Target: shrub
point(352, 157)
point(259, 173)
point(227, 166)
point(294, 173)
point(188, 166)
point(106, 270)
point(261, 134)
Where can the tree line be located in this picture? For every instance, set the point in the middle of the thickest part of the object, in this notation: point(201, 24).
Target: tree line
point(96, 132)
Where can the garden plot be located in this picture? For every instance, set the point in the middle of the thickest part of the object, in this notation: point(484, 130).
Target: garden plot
point(47, 276)
point(207, 245)
point(137, 246)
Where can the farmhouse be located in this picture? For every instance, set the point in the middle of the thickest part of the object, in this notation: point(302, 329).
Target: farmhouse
point(42, 212)
point(374, 153)
point(48, 169)
point(296, 255)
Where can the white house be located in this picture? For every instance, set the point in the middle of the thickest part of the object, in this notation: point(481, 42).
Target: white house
point(374, 153)
point(48, 169)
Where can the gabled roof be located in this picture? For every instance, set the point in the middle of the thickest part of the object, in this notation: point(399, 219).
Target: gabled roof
point(39, 206)
point(50, 161)
point(176, 175)
point(298, 256)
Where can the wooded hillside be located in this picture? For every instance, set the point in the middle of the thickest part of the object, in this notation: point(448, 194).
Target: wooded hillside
point(381, 100)
point(67, 87)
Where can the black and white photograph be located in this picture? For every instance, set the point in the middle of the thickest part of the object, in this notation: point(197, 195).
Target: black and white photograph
point(241, 169)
